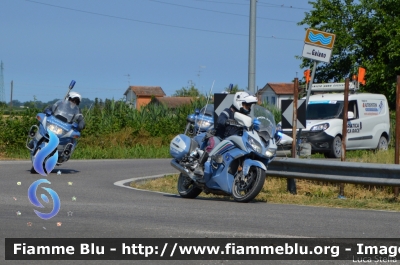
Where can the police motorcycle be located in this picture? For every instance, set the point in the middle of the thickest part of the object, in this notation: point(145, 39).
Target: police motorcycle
point(237, 165)
point(200, 121)
point(58, 124)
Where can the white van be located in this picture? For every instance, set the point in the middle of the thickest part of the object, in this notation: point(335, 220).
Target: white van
point(368, 125)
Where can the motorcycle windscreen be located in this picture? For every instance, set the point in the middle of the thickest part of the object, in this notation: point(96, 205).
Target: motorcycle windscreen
point(66, 111)
point(266, 119)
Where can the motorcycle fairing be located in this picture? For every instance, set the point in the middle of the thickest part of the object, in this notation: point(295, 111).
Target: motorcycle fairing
point(222, 179)
point(63, 125)
point(64, 140)
point(222, 147)
point(250, 162)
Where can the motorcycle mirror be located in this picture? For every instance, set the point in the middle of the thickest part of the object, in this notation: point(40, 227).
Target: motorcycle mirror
point(256, 124)
point(197, 111)
point(278, 136)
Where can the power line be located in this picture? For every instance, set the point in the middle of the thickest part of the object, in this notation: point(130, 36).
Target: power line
point(281, 6)
point(155, 23)
point(220, 12)
point(265, 4)
point(221, 2)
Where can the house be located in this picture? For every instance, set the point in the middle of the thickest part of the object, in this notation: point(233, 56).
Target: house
point(139, 96)
point(172, 102)
point(274, 93)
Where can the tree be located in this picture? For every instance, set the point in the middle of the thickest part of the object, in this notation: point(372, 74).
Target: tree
point(187, 92)
point(367, 35)
point(86, 103)
point(16, 103)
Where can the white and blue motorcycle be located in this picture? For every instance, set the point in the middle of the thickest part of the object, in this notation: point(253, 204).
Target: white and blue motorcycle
point(236, 166)
point(200, 121)
point(58, 124)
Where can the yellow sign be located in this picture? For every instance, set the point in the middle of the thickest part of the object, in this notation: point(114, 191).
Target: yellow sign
point(320, 38)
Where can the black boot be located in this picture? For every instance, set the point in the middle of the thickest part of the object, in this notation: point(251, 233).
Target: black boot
point(199, 171)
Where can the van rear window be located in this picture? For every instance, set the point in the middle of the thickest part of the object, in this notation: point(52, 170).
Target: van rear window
point(322, 110)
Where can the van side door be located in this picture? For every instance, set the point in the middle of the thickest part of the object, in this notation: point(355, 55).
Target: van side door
point(355, 131)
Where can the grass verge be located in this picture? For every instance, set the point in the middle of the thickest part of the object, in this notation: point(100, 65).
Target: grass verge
point(311, 193)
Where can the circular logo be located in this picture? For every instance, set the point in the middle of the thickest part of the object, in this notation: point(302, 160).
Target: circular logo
point(34, 200)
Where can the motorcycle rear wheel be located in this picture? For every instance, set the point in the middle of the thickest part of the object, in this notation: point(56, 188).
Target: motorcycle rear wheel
point(187, 188)
point(247, 188)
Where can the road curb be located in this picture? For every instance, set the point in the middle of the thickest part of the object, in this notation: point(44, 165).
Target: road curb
point(125, 182)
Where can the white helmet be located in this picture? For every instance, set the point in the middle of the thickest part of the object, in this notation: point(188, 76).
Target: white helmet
point(76, 96)
point(243, 97)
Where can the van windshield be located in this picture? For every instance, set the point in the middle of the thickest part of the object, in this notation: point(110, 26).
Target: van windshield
point(322, 110)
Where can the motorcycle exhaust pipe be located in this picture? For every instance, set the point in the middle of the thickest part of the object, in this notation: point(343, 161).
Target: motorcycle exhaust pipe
point(183, 170)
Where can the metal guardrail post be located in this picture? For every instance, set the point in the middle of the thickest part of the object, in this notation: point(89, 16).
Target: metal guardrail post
point(344, 132)
point(291, 182)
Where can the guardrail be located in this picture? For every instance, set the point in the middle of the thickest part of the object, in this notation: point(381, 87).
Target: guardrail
point(335, 171)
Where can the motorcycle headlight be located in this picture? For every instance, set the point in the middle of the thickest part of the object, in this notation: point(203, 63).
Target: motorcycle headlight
point(54, 128)
point(203, 124)
point(255, 144)
point(270, 152)
point(320, 127)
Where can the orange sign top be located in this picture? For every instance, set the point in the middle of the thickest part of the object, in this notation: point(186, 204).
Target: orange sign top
point(320, 38)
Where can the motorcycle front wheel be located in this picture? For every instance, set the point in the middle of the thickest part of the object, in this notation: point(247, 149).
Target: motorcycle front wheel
point(33, 171)
point(246, 188)
point(187, 188)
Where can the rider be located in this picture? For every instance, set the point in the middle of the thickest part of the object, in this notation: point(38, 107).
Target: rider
point(74, 99)
point(241, 102)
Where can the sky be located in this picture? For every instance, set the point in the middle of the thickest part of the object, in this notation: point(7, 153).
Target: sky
point(107, 45)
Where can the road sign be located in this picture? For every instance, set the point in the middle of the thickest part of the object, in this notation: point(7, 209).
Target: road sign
point(287, 114)
point(318, 45)
point(320, 38)
point(221, 102)
point(317, 53)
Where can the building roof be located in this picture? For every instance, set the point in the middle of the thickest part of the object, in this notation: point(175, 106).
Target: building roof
point(173, 102)
point(146, 91)
point(280, 88)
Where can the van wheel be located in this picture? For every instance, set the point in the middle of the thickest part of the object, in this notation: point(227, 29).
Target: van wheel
point(382, 144)
point(336, 148)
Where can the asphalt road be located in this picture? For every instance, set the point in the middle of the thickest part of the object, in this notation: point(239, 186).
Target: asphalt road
point(105, 210)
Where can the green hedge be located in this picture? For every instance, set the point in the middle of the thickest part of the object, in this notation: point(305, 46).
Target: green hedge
point(107, 124)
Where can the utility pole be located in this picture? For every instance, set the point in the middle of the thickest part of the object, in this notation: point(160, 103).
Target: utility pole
point(2, 94)
point(252, 47)
point(11, 94)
